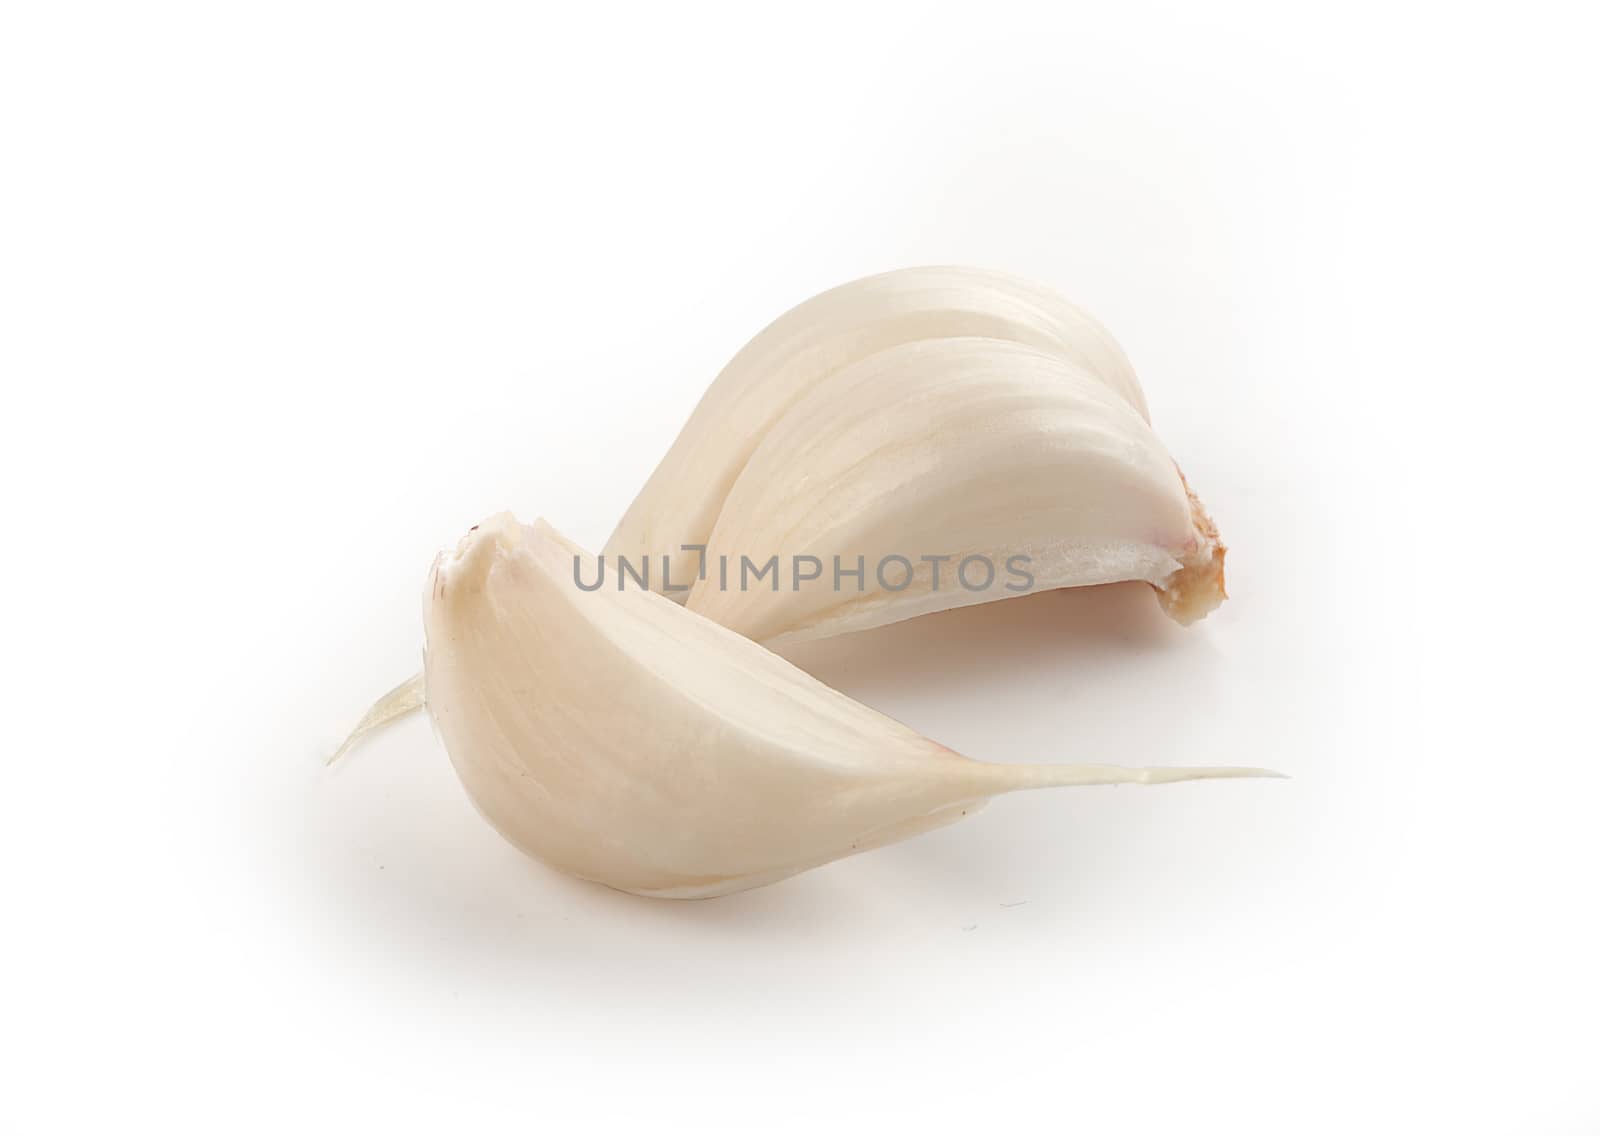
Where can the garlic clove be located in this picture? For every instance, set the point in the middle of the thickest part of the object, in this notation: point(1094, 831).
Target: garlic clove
point(683, 498)
point(955, 448)
point(624, 739)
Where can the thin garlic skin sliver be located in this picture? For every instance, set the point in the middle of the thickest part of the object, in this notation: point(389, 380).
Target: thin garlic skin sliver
point(685, 495)
point(953, 447)
point(623, 739)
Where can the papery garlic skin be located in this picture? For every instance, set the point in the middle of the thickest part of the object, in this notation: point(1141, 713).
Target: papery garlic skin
point(684, 497)
point(623, 739)
point(959, 447)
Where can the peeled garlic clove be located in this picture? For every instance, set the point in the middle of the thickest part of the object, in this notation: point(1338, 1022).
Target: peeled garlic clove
point(623, 739)
point(680, 503)
point(955, 448)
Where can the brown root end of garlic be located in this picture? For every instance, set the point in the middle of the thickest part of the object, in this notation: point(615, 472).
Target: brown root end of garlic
point(1199, 587)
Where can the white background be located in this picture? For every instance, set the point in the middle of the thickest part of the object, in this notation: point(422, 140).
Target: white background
point(293, 294)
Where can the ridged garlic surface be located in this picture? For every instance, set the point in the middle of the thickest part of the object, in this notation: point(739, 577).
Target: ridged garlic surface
point(684, 496)
point(954, 448)
point(623, 739)
point(921, 413)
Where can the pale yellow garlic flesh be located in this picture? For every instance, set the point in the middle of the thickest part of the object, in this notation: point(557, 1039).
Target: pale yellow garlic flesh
point(620, 738)
point(896, 416)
